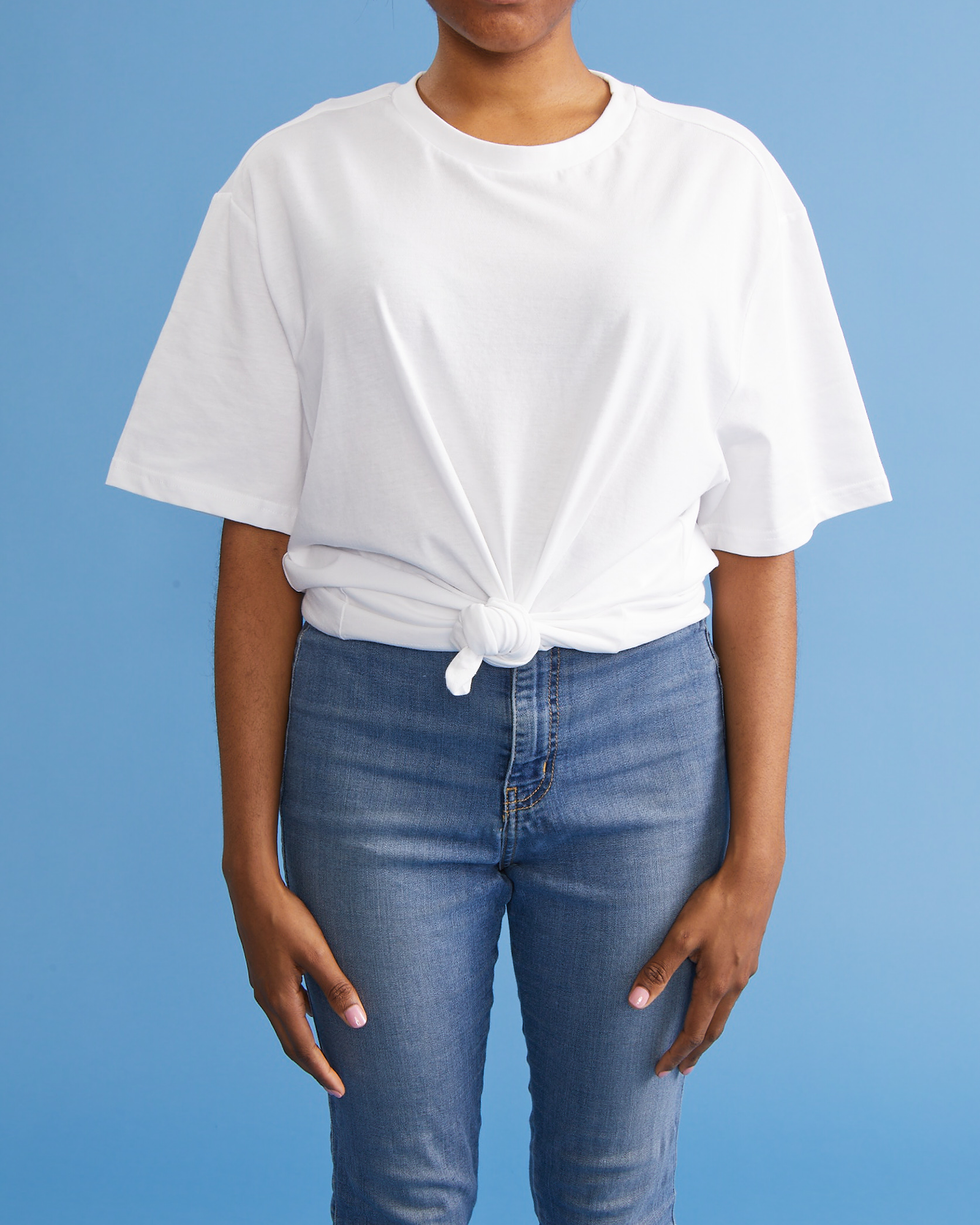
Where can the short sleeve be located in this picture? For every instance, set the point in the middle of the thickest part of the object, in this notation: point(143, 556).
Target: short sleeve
point(795, 438)
point(217, 423)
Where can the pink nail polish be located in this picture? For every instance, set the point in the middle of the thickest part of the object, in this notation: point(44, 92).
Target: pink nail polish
point(663, 1073)
point(355, 1016)
point(639, 996)
point(685, 1071)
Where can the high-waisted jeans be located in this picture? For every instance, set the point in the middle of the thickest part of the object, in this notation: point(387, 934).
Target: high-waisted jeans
point(585, 794)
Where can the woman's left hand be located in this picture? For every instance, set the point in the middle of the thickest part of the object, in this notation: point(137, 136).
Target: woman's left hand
point(720, 929)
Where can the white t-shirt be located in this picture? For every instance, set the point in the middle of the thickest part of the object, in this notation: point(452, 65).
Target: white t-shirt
point(505, 397)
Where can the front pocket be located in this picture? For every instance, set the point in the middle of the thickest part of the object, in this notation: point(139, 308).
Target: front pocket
point(711, 645)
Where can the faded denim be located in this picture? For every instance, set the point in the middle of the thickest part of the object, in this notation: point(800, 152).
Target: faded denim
point(584, 793)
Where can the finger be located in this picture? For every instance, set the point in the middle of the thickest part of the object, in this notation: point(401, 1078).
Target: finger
point(296, 1037)
point(714, 1031)
point(306, 1000)
point(336, 986)
point(706, 995)
point(655, 975)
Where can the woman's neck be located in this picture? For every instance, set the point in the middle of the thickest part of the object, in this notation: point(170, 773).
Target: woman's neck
point(532, 96)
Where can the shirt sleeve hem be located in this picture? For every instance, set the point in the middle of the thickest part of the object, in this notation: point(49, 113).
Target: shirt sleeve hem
point(798, 531)
point(225, 503)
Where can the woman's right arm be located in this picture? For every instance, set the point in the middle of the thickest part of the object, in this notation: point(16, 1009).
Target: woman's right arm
point(257, 620)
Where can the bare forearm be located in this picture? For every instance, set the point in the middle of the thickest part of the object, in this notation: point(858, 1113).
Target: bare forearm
point(257, 619)
point(720, 927)
point(754, 631)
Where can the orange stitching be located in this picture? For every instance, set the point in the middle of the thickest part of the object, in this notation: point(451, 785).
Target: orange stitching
point(550, 743)
point(552, 738)
point(504, 824)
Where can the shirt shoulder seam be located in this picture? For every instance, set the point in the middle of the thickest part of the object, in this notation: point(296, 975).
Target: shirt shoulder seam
point(649, 102)
point(345, 103)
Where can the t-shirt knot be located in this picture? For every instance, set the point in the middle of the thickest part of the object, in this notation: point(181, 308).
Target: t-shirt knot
point(499, 631)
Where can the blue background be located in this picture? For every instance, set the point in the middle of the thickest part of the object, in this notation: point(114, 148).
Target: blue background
point(140, 1082)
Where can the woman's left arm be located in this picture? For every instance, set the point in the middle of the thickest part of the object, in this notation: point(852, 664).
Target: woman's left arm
point(720, 927)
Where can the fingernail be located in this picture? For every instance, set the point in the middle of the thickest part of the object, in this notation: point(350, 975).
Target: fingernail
point(355, 1016)
point(334, 1093)
point(667, 1073)
point(685, 1071)
point(639, 996)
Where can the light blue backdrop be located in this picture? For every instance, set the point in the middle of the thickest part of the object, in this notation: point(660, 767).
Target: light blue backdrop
point(140, 1083)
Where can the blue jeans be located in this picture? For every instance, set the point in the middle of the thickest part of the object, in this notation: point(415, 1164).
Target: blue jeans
point(584, 793)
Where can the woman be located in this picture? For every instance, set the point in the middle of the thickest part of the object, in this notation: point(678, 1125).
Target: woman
point(494, 366)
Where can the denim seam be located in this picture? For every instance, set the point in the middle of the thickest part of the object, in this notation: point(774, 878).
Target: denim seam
point(721, 683)
point(505, 820)
point(292, 679)
point(707, 638)
point(508, 830)
point(553, 716)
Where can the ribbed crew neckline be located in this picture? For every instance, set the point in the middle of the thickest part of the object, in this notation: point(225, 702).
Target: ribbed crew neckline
point(610, 125)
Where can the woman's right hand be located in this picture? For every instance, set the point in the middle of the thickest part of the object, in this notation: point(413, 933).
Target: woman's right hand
point(257, 621)
point(282, 941)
